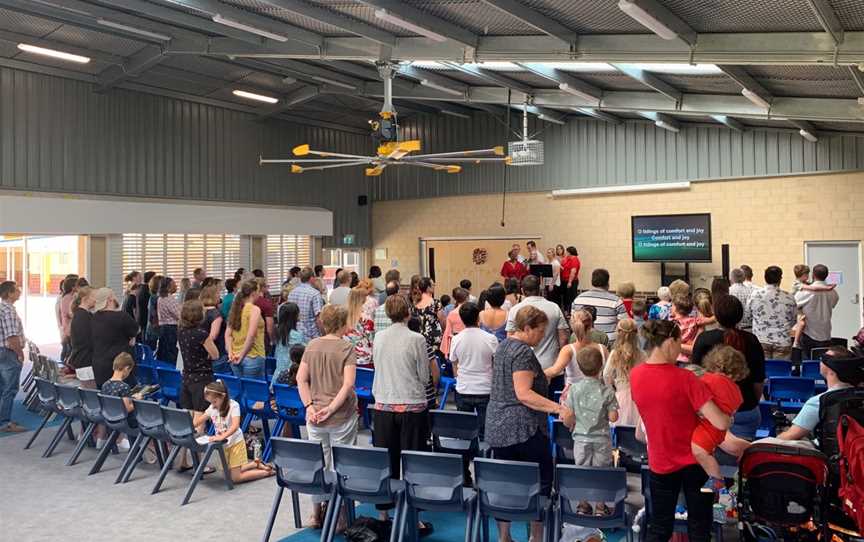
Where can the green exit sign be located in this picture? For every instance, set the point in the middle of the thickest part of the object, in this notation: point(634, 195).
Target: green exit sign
point(348, 239)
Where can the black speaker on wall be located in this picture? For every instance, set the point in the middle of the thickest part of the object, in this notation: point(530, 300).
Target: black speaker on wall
point(362, 201)
point(724, 256)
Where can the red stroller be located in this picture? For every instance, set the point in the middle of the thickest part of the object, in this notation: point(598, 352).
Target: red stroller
point(780, 493)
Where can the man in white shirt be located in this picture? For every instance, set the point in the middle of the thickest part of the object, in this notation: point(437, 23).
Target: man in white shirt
point(817, 306)
point(742, 291)
point(534, 255)
point(748, 276)
point(557, 330)
point(773, 311)
point(471, 353)
point(339, 295)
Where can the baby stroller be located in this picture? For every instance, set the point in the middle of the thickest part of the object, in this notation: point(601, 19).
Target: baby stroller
point(781, 492)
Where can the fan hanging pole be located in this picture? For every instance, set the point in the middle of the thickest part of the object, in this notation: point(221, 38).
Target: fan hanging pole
point(387, 73)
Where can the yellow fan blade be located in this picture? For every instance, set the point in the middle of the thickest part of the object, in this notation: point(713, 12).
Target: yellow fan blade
point(508, 160)
point(498, 151)
point(454, 169)
point(296, 169)
point(397, 149)
point(301, 150)
point(374, 171)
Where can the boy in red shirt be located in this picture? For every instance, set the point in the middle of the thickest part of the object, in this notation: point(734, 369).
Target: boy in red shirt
point(724, 366)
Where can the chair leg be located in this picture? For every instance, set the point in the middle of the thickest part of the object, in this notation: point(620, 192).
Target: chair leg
point(39, 430)
point(400, 527)
point(469, 522)
point(130, 457)
point(398, 518)
point(58, 436)
point(247, 420)
point(70, 432)
point(81, 444)
point(103, 454)
point(138, 454)
point(165, 468)
point(226, 472)
point(328, 533)
point(199, 472)
point(273, 511)
point(331, 516)
point(295, 509)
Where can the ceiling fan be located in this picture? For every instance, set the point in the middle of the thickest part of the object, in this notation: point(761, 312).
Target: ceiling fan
point(391, 150)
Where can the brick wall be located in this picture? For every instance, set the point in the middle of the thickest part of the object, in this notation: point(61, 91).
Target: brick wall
point(765, 222)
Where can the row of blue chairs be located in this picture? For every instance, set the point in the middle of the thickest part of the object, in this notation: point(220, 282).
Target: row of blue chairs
point(157, 424)
point(432, 481)
point(784, 367)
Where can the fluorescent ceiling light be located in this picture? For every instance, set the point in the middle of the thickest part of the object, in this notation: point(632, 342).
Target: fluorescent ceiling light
point(133, 30)
point(386, 16)
point(256, 97)
point(579, 66)
point(808, 136)
point(497, 66)
point(54, 54)
point(666, 126)
point(553, 120)
point(442, 88)
point(456, 114)
point(677, 69)
point(429, 65)
point(646, 19)
point(685, 185)
point(251, 29)
point(576, 92)
point(333, 82)
point(755, 98)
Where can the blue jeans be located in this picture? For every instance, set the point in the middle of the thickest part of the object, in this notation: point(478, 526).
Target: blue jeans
point(10, 380)
point(745, 423)
point(222, 366)
point(249, 368)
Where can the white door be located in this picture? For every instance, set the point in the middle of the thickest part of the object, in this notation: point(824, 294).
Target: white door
point(843, 261)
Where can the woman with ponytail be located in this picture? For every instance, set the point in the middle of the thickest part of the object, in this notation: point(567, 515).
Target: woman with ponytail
point(623, 358)
point(729, 312)
point(244, 335)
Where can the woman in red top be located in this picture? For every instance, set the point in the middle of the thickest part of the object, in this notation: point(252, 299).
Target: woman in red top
point(570, 276)
point(513, 268)
point(669, 400)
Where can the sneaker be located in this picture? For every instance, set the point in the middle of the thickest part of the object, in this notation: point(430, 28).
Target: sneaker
point(584, 509)
point(100, 443)
point(123, 445)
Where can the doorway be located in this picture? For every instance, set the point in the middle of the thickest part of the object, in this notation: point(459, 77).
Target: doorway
point(843, 259)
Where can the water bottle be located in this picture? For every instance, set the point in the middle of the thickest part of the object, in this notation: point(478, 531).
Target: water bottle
point(256, 449)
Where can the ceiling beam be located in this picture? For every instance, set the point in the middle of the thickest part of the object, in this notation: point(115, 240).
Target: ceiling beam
point(534, 19)
point(700, 105)
point(301, 70)
point(729, 122)
point(858, 77)
point(425, 20)
point(828, 19)
point(565, 81)
point(291, 100)
point(491, 76)
point(597, 114)
point(652, 15)
point(650, 80)
point(279, 28)
point(433, 80)
point(740, 76)
point(544, 113)
point(777, 48)
point(338, 20)
point(135, 65)
point(662, 120)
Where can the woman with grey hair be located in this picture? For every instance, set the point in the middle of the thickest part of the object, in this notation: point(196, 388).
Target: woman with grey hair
point(661, 309)
point(113, 332)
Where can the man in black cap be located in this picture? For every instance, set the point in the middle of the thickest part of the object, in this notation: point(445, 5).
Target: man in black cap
point(841, 369)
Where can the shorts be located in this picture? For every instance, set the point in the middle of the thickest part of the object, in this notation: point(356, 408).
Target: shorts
point(707, 437)
point(192, 395)
point(236, 455)
point(588, 453)
point(85, 373)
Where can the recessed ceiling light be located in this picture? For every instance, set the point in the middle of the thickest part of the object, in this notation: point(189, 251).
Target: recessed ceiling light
point(54, 54)
point(256, 97)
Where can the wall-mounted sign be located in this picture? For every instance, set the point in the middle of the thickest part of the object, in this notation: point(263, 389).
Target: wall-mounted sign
point(348, 239)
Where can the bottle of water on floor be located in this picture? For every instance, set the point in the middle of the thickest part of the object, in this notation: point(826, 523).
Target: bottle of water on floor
point(256, 449)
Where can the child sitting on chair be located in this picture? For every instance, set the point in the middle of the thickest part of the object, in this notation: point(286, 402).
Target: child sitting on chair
point(724, 366)
point(224, 413)
point(594, 405)
point(123, 366)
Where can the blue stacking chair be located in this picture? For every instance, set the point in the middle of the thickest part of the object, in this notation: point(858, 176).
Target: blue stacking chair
point(300, 469)
point(574, 484)
point(170, 383)
point(363, 388)
point(766, 425)
point(636, 452)
point(117, 419)
point(178, 425)
point(562, 443)
point(457, 433)
point(508, 490)
point(68, 404)
point(791, 391)
point(257, 391)
point(433, 482)
point(151, 428)
point(235, 389)
point(289, 411)
point(810, 369)
point(91, 408)
point(778, 367)
point(363, 475)
point(445, 384)
point(46, 391)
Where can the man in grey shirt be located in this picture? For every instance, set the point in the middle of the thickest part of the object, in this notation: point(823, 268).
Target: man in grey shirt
point(339, 295)
point(817, 306)
point(557, 329)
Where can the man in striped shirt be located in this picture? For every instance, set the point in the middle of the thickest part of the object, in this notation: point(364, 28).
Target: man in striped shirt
point(609, 306)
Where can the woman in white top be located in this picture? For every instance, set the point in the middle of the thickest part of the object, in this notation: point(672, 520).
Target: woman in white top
point(566, 361)
point(553, 284)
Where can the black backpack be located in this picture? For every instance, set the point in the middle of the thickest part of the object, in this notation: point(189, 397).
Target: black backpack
point(368, 530)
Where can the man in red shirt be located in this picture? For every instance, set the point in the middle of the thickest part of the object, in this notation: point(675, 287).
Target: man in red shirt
point(513, 268)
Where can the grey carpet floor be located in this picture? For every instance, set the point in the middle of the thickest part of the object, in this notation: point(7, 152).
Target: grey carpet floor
point(43, 499)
